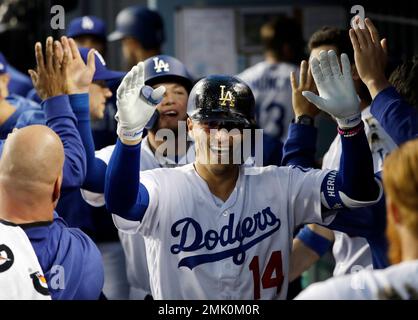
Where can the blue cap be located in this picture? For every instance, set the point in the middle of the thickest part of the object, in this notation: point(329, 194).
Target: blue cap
point(163, 68)
point(3, 64)
point(87, 25)
point(102, 73)
point(141, 23)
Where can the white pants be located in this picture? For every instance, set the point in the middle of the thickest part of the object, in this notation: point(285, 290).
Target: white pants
point(116, 285)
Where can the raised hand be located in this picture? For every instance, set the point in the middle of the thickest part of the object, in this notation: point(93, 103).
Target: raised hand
point(79, 75)
point(49, 79)
point(370, 55)
point(301, 106)
point(136, 104)
point(337, 95)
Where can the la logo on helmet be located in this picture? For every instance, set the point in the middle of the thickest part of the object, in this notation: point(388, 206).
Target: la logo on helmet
point(227, 97)
point(160, 65)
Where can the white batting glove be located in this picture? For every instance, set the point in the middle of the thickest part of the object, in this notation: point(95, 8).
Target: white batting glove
point(337, 95)
point(136, 104)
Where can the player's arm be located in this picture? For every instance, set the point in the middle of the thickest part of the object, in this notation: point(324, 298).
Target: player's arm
point(79, 77)
point(399, 119)
point(300, 146)
point(354, 185)
point(49, 81)
point(124, 194)
point(311, 242)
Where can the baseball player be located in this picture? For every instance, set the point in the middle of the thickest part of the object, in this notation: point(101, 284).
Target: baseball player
point(31, 170)
point(399, 121)
point(87, 100)
point(141, 31)
point(88, 32)
point(173, 75)
point(19, 84)
point(398, 281)
point(68, 249)
point(11, 105)
point(351, 253)
point(223, 231)
point(21, 277)
point(269, 80)
point(57, 114)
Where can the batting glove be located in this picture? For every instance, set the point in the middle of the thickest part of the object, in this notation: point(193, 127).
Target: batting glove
point(136, 104)
point(337, 95)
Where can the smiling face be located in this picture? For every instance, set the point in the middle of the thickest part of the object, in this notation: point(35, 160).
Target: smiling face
point(98, 94)
point(217, 144)
point(173, 107)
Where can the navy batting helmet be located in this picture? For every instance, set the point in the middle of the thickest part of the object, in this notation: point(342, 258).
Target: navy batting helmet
point(141, 23)
point(163, 68)
point(222, 98)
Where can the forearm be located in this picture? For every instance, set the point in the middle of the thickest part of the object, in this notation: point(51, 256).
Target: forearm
point(354, 185)
point(96, 168)
point(301, 259)
point(61, 119)
point(399, 119)
point(124, 194)
point(300, 146)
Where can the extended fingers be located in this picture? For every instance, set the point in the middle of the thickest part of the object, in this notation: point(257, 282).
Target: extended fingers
point(49, 53)
point(39, 57)
point(316, 70)
point(58, 55)
point(325, 64)
point(293, 82)
point(303, 73)
point(333, 61)
point(373, 31)
point(346, 66)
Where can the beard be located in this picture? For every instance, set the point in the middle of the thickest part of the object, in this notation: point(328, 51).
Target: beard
point(395, 249)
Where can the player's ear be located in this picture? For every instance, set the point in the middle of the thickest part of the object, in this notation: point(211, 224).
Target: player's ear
point(57, 190)
point(190, 128)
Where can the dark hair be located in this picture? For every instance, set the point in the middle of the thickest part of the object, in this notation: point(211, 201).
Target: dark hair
point(340, 39)
point(405, 80)
point(333, 36)
point(283, 30)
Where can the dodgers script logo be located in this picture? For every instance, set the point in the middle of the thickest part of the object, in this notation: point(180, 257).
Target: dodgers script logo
point(184, 229)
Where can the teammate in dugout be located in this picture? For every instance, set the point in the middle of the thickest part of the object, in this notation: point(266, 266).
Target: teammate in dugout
point(392, 117)
point(223, 231)
point(11, 104)
point(398, 281)
point(159, 70)
point(67, 247)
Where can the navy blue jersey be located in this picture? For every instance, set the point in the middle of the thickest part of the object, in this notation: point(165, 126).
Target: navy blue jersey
point(70, 260)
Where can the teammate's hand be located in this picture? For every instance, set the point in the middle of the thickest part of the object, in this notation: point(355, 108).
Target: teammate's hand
point(49, 77)
point(301, 106)
point(79, 75)
point(370, 55)
point(337, 95)
point(136, 104)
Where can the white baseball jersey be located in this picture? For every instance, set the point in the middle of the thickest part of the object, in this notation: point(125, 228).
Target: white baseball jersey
point(199, 247)
point(399, 281)
point(21, 277)
point(270, 84)
point(133, 244)
point(353, 253)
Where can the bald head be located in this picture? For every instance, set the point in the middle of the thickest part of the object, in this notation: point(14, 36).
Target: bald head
point(32, 155)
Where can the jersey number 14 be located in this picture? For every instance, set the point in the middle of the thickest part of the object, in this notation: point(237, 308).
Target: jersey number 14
point(273, 268)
